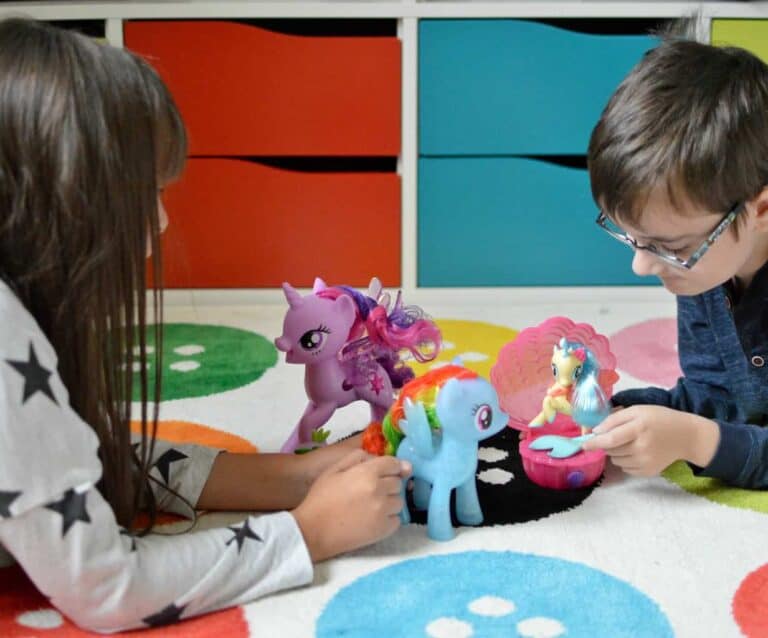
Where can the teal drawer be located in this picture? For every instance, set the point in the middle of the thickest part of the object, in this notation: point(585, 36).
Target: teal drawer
point(507, 87)
point(513, 222)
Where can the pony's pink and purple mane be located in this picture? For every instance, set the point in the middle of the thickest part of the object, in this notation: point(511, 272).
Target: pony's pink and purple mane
point(379, 336)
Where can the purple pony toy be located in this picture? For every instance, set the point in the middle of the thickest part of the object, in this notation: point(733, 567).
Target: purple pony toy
point(352, 346)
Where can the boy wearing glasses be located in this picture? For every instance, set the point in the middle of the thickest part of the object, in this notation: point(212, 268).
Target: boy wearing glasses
point(679, 166)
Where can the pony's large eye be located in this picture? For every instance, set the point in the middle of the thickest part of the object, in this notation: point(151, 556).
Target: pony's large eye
point(554, 369)
point(483, 417)
point(576, 373)
point(313, 339)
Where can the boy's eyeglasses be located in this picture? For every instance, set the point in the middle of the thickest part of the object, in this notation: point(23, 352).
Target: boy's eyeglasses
point(614, 231)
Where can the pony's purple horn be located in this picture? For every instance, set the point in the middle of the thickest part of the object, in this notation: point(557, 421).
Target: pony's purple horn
point(292, 296)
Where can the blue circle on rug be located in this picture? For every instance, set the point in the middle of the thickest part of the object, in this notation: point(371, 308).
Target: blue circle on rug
point(483, 593)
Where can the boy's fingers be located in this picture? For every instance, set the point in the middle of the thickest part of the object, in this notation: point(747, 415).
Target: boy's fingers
point(623, 450)
point(616, 437)
point(613, 420)
point(627, 463)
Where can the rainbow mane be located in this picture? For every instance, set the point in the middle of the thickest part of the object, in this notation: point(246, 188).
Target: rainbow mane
point(423, 389)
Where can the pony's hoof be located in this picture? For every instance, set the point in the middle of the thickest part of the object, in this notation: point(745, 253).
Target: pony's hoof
point(470, 518)
point(442, 534)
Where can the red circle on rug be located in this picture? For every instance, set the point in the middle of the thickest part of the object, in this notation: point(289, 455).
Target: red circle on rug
point(648, 351)
point(18, 596)
point(749, 604)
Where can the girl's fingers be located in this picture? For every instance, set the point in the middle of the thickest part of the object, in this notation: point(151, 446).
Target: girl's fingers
point(392, 485)
point(391, 466)
point(350, 460)
point(393, 505)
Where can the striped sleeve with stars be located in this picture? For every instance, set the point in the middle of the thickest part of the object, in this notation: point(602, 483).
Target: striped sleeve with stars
point(178, 470)
point(58, 527)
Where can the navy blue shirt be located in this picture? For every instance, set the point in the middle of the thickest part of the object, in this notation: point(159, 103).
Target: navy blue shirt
point(723, 349)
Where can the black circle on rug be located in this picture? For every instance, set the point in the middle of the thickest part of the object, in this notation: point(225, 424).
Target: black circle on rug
point(516, 499)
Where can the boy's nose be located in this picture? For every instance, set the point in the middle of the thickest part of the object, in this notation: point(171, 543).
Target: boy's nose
point(644, 264)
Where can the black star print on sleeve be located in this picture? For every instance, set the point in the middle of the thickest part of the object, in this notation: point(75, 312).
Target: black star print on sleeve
point(6, 499)
point(165, 460)
point(72, 509)
point(241, 534)
point(170, 614)
point(35, 376)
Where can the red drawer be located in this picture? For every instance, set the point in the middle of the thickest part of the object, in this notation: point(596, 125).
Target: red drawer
point(244, 90)
point(239, 224)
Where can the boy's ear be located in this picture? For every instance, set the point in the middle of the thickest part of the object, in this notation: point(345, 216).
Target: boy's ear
point(759, 203)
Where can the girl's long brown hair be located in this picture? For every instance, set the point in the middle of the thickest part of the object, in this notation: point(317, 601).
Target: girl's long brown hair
point(88, 132)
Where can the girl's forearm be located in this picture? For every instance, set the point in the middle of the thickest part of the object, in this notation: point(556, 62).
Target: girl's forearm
point(267, 482)
point(262, 482)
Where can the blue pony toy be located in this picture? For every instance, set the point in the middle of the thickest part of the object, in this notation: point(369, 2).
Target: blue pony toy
point(436, 424)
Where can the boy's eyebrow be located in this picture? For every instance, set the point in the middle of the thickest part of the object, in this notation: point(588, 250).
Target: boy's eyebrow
point(669, 240)
point(664, 240)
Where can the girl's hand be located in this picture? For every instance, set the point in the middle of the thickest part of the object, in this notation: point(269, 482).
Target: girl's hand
point(314, 463)
point(645, 439)
point(353, 503)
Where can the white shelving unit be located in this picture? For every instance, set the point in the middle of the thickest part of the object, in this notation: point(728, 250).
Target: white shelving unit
point(407, 13)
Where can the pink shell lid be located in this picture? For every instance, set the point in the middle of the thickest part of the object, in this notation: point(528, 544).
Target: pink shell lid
point(522, 373)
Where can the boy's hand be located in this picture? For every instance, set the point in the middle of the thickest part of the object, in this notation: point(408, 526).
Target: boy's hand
point(353, 503)
point(645, 439)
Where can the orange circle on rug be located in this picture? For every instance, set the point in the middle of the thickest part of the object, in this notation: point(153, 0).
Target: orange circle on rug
point(196, 434)
point(749, 604)
point(25, 612)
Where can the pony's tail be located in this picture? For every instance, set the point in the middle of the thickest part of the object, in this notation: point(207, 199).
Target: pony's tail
point(398, 373)
point(404, 328)
point(382, 439)
point(373, 439)
point(589, 403)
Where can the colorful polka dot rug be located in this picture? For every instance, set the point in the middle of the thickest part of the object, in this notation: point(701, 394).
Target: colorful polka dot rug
point(674, 555)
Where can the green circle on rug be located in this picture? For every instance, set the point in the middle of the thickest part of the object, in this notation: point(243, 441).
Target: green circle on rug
point(715, 490)
point(200, 360)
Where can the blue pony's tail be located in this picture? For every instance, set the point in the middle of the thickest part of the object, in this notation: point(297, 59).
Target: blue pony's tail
point(589, 403)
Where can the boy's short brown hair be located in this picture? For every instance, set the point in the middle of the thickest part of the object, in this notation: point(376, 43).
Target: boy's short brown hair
point(690, 118)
